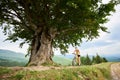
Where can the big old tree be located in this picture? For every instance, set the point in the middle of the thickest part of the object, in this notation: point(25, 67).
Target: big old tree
point(48, 24)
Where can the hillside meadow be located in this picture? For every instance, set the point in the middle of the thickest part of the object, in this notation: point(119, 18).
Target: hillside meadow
point(93, 72)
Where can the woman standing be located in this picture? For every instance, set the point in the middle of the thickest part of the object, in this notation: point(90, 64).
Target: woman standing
point(77, 53)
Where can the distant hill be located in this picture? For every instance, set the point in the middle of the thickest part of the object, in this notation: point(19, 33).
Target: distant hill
point(112, 57)
point(62, 60)
point(11, 58)
point(11, 55)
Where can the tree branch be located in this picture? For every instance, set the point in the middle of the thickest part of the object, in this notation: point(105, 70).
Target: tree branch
point(23, 21)
point(25, 5)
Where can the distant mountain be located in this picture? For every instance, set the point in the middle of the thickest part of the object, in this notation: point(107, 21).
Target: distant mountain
point(112, 57)
point(11, 58)
point(62, 60)
point(11, 55)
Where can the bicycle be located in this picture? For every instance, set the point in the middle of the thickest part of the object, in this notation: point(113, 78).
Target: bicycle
point(74, 61)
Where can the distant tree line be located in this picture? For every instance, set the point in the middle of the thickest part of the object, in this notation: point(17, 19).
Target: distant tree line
point(94, 60)
point(10, 63)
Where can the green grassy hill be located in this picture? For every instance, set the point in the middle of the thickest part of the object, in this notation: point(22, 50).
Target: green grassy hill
point(62, 60)
point(11, 58)
point(94, 72)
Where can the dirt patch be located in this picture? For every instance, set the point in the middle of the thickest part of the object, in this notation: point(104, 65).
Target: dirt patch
point(115, 71)
point(40, 68)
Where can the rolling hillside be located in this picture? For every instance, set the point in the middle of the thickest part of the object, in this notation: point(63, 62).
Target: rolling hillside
point(11, 58)
point(62, 60)
point(93, 72)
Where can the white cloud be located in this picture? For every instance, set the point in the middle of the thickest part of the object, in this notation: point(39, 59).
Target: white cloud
point(14, 47)
point(109, 49)
point(110, 41)
point(105, 1)
point(11, 46)
point(114, 18)
point(112, 24)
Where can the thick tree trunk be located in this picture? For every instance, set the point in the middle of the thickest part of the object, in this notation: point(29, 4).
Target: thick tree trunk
point(41, 51)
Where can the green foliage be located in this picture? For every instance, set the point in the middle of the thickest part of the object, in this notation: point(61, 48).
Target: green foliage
point(104, 60)
point(72, 20)
point(82, 60)
point(87, 60)
point(94, 60)
point(97, 59)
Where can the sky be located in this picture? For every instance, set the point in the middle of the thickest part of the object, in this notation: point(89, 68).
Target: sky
point(107, 43)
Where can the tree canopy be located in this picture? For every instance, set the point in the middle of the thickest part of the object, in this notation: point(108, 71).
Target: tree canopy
point(69, 20)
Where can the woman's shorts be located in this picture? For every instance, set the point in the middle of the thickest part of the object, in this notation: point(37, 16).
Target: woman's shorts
point(78, 55)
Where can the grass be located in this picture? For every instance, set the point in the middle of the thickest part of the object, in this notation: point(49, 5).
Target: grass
point(4, 70)
point(94, 72)
point(62, 61)
point(105, 69)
